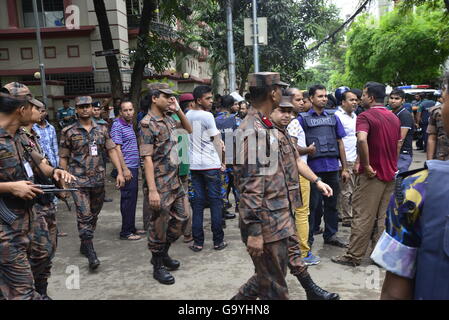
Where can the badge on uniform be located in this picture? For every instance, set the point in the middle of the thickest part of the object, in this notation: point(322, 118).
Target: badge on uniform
point(28, 169)
point(93, 149)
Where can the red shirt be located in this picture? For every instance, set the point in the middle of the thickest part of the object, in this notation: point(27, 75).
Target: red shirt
point(384, 132)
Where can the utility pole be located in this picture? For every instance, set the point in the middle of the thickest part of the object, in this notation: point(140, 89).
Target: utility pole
point(231, 55)
point(40, 53)
point(255, 38)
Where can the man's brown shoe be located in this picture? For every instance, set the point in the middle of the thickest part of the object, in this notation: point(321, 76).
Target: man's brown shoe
point(346, 261)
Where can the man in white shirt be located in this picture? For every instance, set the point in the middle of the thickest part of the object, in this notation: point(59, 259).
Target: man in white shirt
point(347, 116)
point(205, 156)
point(302, 214)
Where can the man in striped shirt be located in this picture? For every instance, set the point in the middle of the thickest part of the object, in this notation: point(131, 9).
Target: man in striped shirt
point(122, 133)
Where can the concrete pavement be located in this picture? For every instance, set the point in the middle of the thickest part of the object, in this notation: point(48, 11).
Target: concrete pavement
point(126, 272)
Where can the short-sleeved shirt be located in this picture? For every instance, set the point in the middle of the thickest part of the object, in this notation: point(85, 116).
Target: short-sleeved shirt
point(49, 142)
point(77, 145)
point(295, 130)
point(183, 153)
point(325, 164)
point(350, 141)
point(158, 141)
point(407, 122)
point(384, 132)
point(397, 248)
point(122, 133)
point(436, 128)
point(203, 155)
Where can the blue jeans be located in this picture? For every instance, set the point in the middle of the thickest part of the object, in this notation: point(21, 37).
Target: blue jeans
point(330, 213)
point(206, 184)
point(404, 162)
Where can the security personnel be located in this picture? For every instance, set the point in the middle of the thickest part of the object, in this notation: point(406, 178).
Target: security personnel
point(227, 123)
point(66, 115)
point(17, 190)
point(81, 148)
point(413, 249)
point(165, 198)
point(438, 139)
point(286, 179)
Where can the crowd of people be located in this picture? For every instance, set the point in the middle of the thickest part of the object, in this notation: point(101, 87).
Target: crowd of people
point(290, 158)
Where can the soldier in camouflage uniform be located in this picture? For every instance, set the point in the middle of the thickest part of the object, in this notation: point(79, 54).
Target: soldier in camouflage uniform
point(438, 140)
point(81, 148)
point(269, 193)
point(165, 198)
point(17, 169)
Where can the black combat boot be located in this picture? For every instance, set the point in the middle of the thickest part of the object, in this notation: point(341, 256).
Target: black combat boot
point(313, 291)
point(41, 288)
point(169, 263)
point(160, 273)
point(91, 255)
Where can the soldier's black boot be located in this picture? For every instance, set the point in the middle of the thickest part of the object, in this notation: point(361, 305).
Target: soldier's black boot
point(41, 288)
point(83, 249)
point(313, 291)
point(160, 273)
point(91, 255)
point(169, 263)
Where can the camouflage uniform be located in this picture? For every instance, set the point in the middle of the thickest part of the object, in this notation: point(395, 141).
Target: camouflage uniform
point(44, 229)
point(156, 140)
point(436, 128)
point(16, 277)
point(89, 170)
point(267, 198)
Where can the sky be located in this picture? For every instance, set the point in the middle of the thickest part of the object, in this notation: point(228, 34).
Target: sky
point(347, 7)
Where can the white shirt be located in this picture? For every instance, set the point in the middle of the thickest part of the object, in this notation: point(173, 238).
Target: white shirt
point(203, 155)
point(295, 130)
point(350, 141)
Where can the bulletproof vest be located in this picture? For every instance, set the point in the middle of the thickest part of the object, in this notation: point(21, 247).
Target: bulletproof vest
point(432, 268)
point(226, 124)
point(321, 131)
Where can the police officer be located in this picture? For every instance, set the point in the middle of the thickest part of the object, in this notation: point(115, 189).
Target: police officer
point(227, 123)
point(81, 148)
point(413, 248)
point(165, 198)
point(17, 190)
point(66, 115)
point(438, 139)
point(269, 189)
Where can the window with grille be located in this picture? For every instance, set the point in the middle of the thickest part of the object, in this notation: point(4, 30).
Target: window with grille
point(50, 13)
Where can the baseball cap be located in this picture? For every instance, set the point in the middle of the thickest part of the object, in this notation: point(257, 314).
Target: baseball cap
point(162, 87)
point(265, 79)
point(286, 102)
point(19, 90)
point(186, 97)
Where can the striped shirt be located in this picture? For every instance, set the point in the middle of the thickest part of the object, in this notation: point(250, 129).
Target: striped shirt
point(123, 134)
point(48, 142)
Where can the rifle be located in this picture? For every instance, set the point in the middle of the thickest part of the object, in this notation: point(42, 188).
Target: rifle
point(6, 214)
point(51, 188)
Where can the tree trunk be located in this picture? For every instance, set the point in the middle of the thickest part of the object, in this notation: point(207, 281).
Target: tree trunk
point(106, 41)
point(149, 6)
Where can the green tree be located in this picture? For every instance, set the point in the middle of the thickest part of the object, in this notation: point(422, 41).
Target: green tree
point(408, 4)
point(401, 48)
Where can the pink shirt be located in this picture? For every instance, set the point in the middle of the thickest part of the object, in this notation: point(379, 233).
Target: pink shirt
point(384, 132)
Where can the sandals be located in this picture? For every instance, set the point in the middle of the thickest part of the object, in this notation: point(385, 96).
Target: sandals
point(195, 248)
point(140, 232)
point(188, 239)
point(131, 237)
point(221, 246)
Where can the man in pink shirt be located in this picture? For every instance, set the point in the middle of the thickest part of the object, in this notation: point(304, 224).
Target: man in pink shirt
point(378, 134)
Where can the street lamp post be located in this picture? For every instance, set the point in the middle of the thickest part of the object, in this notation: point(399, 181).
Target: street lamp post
point(231, 55)
point(255, 38)
point(39, 52)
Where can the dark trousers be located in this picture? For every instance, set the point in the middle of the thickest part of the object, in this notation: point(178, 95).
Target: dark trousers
point(128, 202)
point(330, 212)
point(206, 185)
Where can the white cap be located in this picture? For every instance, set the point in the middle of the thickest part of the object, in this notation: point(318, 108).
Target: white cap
point(237, 97)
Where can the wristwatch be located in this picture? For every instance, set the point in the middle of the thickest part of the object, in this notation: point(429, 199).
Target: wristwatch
point(317, 180)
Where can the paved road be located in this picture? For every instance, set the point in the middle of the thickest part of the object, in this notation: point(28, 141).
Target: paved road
point(126, 273)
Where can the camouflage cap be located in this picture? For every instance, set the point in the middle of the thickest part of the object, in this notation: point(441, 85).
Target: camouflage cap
point(265, 79)
point(83, 100)
point(162, 87)
point(19, 90)
point(286, 102)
